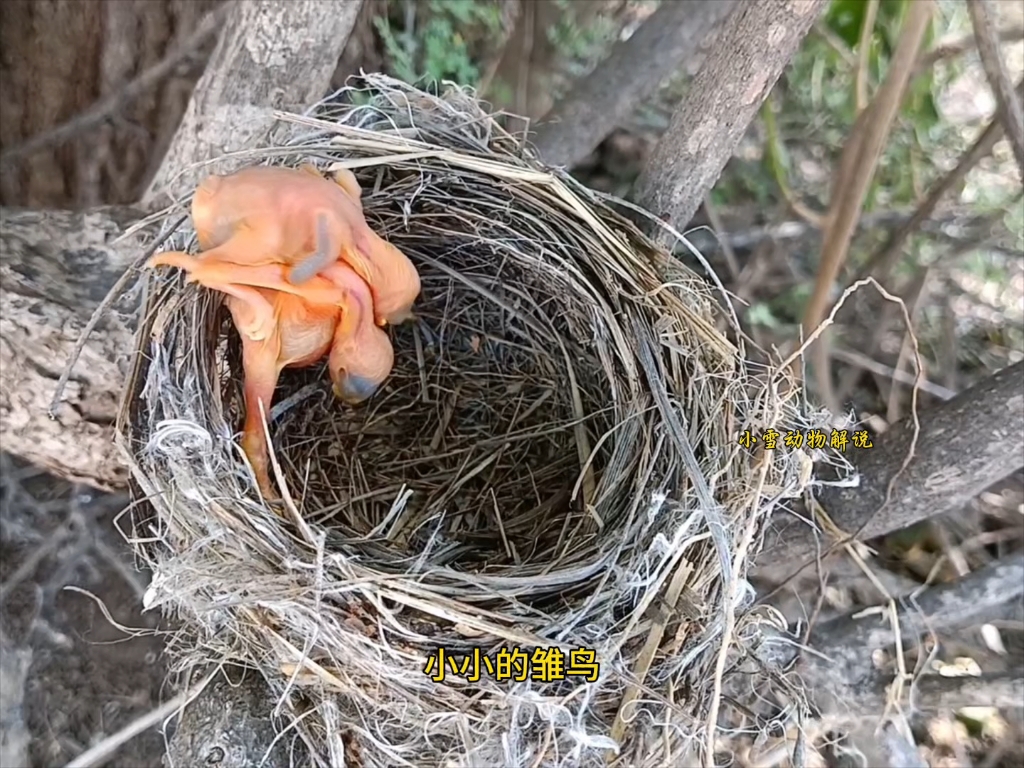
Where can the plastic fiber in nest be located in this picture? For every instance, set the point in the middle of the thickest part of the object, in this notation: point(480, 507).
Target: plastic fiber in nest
point(552, 466)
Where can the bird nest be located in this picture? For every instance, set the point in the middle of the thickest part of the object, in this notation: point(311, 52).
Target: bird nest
point(550, 477)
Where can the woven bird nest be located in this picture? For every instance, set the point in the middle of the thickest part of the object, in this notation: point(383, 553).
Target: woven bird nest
point(553, 464)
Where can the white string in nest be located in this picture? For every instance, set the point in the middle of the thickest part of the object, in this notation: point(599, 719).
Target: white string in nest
point(645, 507)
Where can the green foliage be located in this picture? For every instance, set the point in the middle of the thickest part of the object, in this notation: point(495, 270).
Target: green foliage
point(430, 40)
point(580, 45)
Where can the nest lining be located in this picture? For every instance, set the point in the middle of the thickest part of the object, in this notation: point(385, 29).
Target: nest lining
point(518, 482)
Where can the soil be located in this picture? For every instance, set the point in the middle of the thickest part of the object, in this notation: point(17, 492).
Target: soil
point(70, 677)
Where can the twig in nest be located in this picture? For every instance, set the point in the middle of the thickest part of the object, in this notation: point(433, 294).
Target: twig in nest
point(112, 295)
point(108, 107)
point(1009, 104)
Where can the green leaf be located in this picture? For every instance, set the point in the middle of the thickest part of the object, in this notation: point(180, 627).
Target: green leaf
point(845, 18)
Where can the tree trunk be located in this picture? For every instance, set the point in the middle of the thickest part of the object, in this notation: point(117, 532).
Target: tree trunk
point(55, 269)
point(272, 55)
point(60, 57)
point(601, 101)
point(754, 46)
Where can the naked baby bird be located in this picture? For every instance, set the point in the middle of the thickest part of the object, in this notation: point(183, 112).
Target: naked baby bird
point(360, 355)
point(304, 276)
point(263, 216)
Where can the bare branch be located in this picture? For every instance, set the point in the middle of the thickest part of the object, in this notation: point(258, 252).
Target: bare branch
point(965, 445)
point(274, 54)
point(107, 107)
point(884, 258)
point(1009, 104)
point(55, 268)
point(857, 165)
point(755, 44)
point(632, 71)
point(950, 49)
point(848, 682)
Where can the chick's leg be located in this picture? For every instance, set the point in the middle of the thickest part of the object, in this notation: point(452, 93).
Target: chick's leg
point(259, 361)
point(219, 275)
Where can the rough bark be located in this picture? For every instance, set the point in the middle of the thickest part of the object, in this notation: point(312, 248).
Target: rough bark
point(631, 72)
point(848, 681)
point(55, 269)
point(62, 57)
point(273, 54)
point(965, 445)
point(231, 725)
point(754, 46)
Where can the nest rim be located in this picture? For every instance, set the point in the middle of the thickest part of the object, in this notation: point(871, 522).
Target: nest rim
point(659, 351)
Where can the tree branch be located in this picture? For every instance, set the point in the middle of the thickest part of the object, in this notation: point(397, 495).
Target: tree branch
point(950, 49)
point(754, 46)
point(632, 71)
point(274, 54)
point(852, 180)
point(965, 445)
point(882, 260)
point(847, 681)
point(109, 106)
point(1009, 104)
point(55, 269)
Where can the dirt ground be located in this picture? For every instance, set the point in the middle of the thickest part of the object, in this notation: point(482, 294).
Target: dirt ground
point(68, 676)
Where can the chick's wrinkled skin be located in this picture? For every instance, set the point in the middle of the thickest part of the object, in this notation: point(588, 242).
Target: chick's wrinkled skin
point(298, 334)
point(294, 216)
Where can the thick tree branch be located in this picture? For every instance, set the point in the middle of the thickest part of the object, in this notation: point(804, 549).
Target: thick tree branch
point(847, 681)
point(274, 54)
point(754, 46)
point(632, 71)
point(1009, 104)
point(55, 269)
point(965, 445)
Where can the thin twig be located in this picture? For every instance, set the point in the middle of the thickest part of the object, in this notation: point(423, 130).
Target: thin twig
point(857, 166)
point(902, 377)
point(1009, 104)
point(867, 32)
point(950, 49)
point(882, 260)
point(111, 105)
point(99, 753)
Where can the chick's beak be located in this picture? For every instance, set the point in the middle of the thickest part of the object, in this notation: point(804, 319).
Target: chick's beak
point(354, 389)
